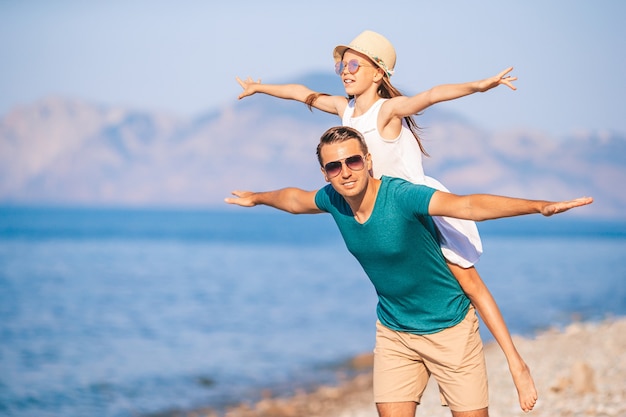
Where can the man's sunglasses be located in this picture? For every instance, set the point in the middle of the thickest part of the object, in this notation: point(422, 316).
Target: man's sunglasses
point(353, 66)
point(354, 162)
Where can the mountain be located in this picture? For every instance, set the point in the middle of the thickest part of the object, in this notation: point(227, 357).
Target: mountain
point(60, 151)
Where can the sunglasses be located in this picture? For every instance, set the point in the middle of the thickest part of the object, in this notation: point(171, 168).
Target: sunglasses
point(354, 162)
point(353, 66)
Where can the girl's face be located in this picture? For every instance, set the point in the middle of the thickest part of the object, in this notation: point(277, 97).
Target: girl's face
point(358, 73)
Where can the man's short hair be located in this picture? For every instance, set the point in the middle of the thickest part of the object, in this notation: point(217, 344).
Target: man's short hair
point(340, 134)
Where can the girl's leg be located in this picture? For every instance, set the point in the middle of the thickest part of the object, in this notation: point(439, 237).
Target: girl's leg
point(486, 306)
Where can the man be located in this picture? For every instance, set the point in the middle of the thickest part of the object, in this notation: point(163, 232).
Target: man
point(426, 322)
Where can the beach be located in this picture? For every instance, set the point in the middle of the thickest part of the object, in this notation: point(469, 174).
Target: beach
point(579, 370)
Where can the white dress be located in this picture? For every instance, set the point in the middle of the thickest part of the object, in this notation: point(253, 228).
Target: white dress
point(402, 157)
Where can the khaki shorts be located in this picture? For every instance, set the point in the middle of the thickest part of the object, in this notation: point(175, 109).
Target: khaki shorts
point(403, 363)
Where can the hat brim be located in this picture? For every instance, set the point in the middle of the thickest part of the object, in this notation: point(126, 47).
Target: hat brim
point(339, 51)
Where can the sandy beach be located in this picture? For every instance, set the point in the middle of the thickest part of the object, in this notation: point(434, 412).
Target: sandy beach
point(579, 370)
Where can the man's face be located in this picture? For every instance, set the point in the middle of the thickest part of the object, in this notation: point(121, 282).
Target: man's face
point(349, 182)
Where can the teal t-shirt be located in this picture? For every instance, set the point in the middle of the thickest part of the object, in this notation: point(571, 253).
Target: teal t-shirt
point(399, 250)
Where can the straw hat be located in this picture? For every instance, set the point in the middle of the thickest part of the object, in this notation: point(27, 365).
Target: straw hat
point(375, 46)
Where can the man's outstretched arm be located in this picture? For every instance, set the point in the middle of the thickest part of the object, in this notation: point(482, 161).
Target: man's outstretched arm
point(480, 207)
point(291, 200)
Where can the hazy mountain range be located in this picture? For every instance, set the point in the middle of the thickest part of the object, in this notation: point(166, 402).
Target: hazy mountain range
point(60, 151)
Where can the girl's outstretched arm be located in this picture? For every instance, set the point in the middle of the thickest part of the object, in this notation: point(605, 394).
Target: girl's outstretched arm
point(297, 92)
point(407, 106)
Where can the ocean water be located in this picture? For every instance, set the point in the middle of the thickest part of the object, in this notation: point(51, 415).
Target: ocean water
point(139, 312)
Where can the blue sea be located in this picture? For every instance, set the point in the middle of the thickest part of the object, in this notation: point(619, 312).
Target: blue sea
point(116, 312)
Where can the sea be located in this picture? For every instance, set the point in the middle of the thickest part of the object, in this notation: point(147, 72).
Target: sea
point(113, 312)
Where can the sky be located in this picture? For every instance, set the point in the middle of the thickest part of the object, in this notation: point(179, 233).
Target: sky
point(182, 56)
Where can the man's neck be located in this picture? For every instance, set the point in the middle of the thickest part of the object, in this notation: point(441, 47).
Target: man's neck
point(363, 205)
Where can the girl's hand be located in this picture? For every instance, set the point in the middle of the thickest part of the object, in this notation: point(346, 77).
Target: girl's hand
point(248, 85)
point(501, 78)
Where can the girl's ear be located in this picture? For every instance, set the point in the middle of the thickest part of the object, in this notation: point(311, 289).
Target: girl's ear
point(380, 74)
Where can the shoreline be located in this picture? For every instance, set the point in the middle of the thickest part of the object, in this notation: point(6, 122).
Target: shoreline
point(579, 370)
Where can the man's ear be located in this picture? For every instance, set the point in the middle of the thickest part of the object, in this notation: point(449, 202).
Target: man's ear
point(369, 164)
point(324, 174)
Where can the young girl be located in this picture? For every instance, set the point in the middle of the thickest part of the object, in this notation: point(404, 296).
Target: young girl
point(385, 117)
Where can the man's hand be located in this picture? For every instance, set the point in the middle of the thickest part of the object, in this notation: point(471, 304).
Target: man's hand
point(560, 207)
point(243, 198)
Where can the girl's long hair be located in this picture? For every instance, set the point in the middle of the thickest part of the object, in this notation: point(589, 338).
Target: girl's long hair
point(385, 90)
